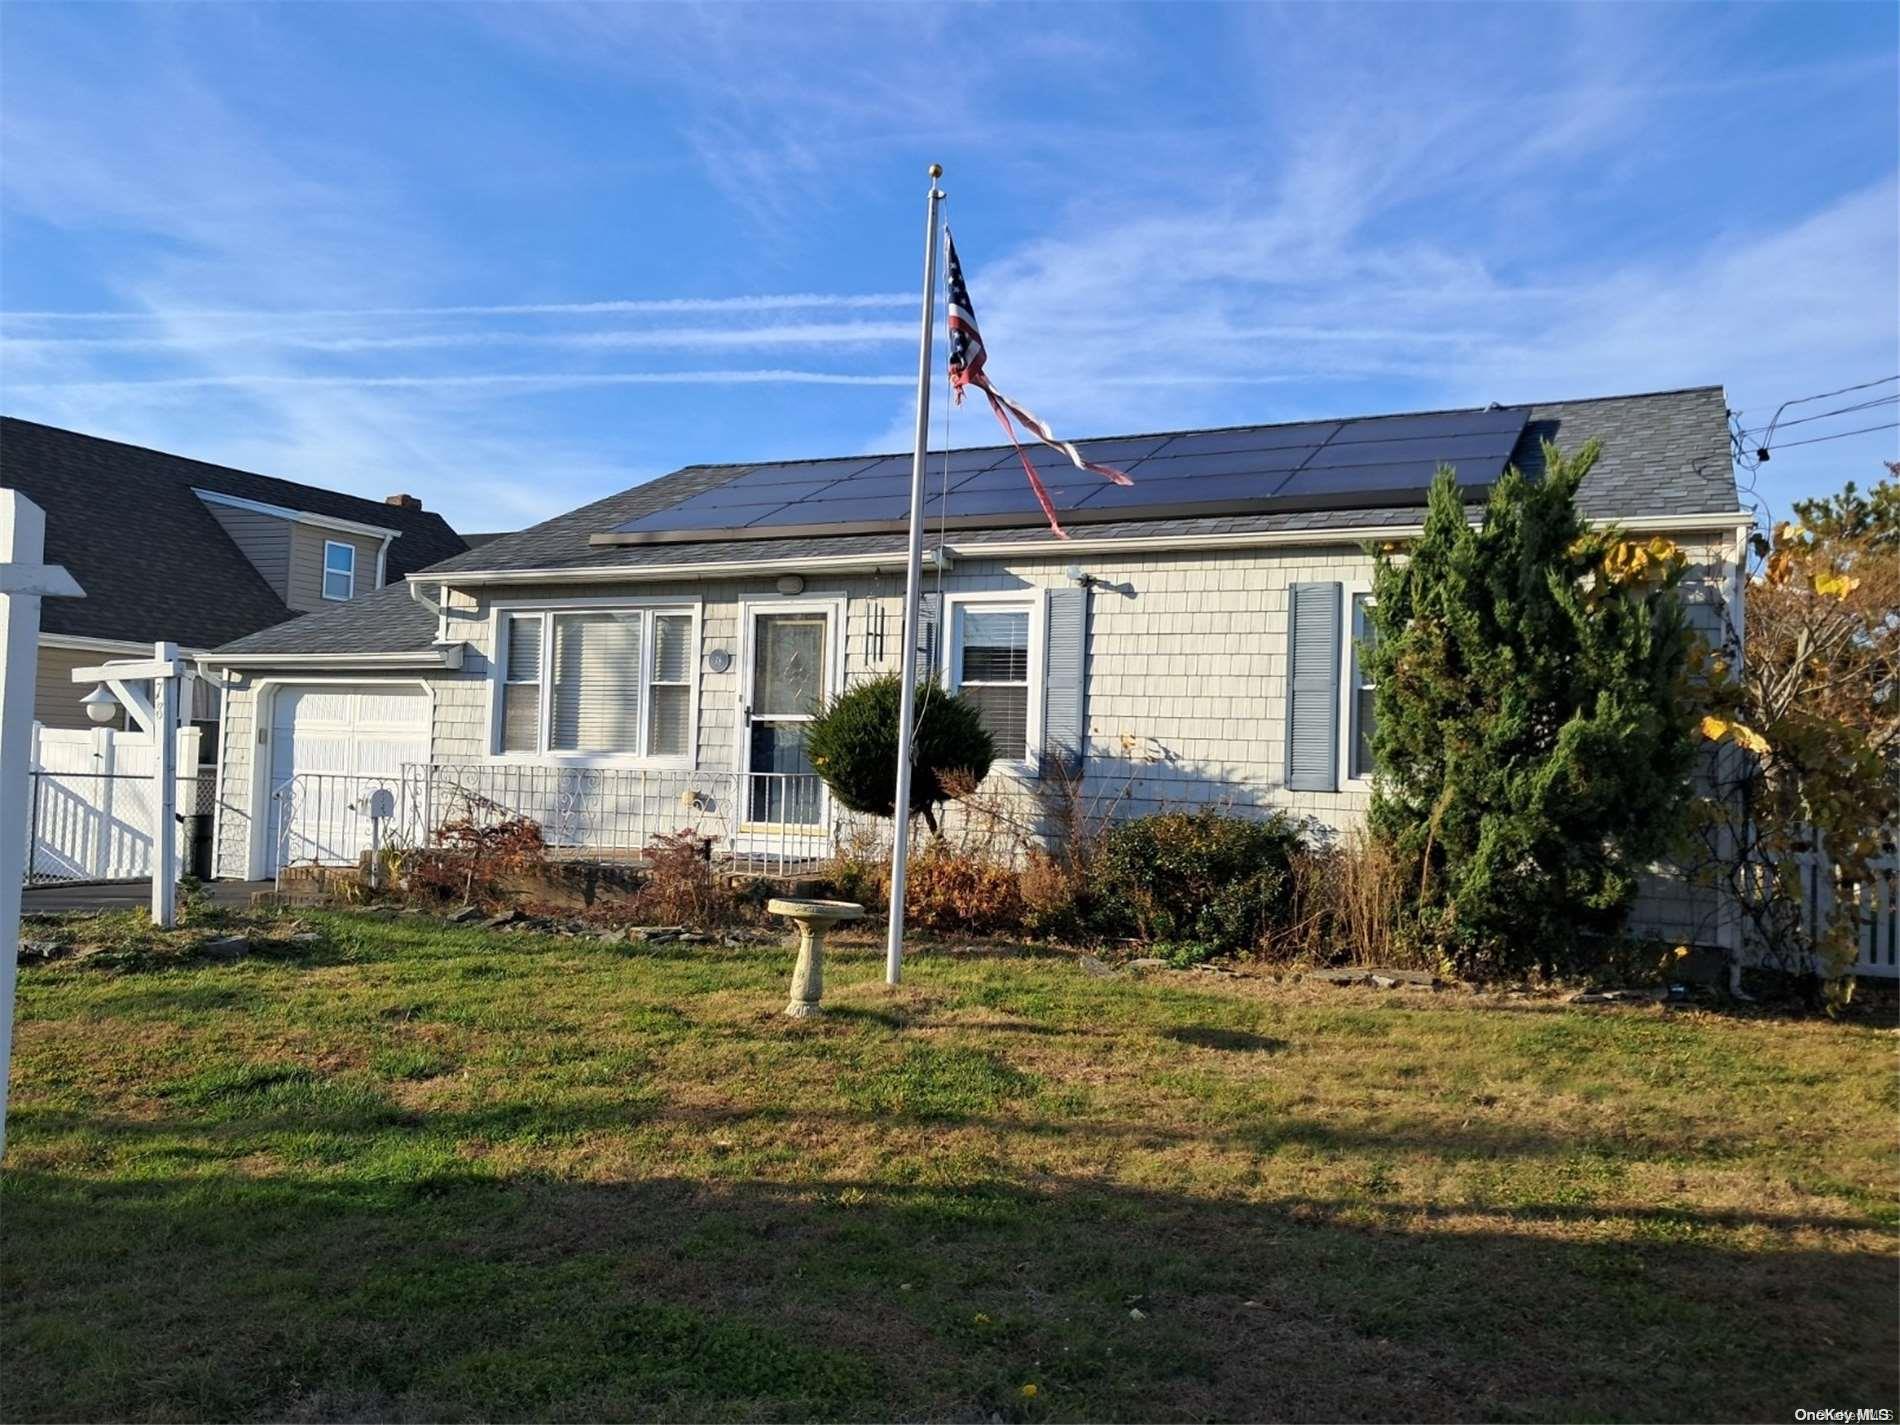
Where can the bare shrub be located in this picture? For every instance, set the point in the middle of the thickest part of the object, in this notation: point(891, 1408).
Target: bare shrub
point(1344, 904)
point(951, 889)
point(470, 858)
point(681, 887)
point(860, 870)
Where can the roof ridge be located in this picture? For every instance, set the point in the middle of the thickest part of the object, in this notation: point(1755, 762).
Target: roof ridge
point(365, 500)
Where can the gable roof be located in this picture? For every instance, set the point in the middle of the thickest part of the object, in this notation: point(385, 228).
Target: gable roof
point(1664, 455)
point(154, 562)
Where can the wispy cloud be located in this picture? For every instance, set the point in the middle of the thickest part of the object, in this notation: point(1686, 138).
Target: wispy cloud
point(806, 334)
point(478, 381)
point(1169, 217)
point(768, 302)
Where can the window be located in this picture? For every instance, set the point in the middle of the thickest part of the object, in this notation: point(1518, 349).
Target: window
point(339, 570)
point(990, 665)
point(521, 685)
point(671, 698)
point(597, 682)
point(1359, 712)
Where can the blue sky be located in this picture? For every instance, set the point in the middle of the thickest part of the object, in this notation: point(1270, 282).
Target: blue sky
point(512, 258)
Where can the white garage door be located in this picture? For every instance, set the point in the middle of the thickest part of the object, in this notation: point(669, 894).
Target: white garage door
point(330, 747)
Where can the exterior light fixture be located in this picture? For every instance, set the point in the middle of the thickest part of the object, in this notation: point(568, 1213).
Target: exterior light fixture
point(789, 584)
point(101, 707)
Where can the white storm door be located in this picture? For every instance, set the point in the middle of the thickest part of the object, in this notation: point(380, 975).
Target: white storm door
point(790, 672)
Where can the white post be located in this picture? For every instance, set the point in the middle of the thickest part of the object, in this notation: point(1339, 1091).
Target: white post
point(23, 582)
point(105, 761)
point(165, 818)
point(907, 695)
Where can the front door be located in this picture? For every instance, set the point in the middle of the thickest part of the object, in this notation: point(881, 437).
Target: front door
point(789, 674)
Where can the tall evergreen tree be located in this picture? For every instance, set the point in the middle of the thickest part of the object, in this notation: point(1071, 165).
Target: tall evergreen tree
point(1532, 745)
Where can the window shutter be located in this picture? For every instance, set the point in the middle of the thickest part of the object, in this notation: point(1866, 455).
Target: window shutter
point(1065, 680)
point(1312, 694)
point(927, 664)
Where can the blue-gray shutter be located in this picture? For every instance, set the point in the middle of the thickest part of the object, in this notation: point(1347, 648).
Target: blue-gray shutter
point(1312, 687)
point(927, 605)
point(1065, 680)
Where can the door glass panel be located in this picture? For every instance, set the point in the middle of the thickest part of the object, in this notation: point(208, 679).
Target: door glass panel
point(784, 786)
point(788, 662)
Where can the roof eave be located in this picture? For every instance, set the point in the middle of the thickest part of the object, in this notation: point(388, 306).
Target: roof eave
point(442, 656)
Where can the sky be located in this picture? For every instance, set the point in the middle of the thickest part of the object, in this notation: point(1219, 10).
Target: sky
point(512, 258)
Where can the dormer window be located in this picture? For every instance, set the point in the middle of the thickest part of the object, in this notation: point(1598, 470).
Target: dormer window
point(339, 571)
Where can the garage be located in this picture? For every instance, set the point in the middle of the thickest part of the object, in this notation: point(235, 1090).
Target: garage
point(330, 746)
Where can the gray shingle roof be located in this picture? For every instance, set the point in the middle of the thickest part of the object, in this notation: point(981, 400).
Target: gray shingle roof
point(1664, 453)
point(152, 559)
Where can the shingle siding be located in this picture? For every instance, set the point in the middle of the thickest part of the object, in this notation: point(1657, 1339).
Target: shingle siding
point(1186, 695)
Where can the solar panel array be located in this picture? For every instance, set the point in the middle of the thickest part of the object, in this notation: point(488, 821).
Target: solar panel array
point(1372, 462)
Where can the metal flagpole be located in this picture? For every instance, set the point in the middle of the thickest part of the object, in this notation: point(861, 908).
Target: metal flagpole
point(907, 697)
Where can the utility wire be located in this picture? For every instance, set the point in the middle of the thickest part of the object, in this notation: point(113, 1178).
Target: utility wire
point(1845, 410)
point(1841, 435)
point(1768, 437)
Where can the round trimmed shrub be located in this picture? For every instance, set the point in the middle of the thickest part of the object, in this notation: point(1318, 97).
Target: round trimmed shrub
point(852, 744)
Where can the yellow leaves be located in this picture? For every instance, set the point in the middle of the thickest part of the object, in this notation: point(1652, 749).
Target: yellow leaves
point(1631, 561)
point(1717, 729)
point(1834, 585)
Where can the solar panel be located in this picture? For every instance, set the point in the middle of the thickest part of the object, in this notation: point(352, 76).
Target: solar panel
point(1263, 463)
point(1219, 442)
point(1370, 462)
point(1505, 419)
point(1362, 486)
point(1450, 448)
point(800, 471)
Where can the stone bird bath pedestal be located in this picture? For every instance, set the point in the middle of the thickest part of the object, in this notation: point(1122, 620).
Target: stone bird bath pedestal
point(813, 919)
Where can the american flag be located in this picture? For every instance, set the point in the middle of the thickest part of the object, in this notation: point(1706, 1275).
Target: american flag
point(968, 357)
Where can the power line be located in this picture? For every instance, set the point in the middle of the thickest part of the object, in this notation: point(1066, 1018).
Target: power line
point(1845, 410)
point(1842, 435)
point(1768, 437)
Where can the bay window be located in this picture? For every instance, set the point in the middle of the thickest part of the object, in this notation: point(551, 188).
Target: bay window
point(606, 682)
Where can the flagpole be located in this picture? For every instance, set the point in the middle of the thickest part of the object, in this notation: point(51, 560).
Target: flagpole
point(913, 580)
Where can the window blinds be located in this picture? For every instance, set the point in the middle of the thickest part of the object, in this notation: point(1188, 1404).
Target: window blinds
point(521, 695)
point(596, 703)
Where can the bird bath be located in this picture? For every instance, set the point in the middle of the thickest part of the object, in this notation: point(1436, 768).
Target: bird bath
point(813, 919)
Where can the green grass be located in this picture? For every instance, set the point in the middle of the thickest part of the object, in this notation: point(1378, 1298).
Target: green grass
point(411, 1171)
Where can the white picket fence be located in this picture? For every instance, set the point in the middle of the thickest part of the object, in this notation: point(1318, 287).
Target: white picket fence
point(1876, 903)
point(92, 801)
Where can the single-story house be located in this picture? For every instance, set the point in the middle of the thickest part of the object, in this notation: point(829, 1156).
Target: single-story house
point(177, 550)
point(647, 662)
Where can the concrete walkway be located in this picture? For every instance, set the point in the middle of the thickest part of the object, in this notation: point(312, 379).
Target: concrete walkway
point(124, 895)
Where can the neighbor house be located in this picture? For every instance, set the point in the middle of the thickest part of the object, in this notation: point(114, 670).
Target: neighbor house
point(176, 550)
point(648, 662)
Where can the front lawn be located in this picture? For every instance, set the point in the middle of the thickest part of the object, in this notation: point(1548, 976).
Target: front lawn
point(417, 1172)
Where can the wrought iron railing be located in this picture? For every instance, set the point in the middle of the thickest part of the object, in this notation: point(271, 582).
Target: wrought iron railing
point(763, 823)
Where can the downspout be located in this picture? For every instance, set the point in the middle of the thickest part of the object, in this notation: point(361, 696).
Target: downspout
point(434, 606)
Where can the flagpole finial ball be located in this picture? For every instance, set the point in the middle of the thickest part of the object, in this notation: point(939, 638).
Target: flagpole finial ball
point(936, 170)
